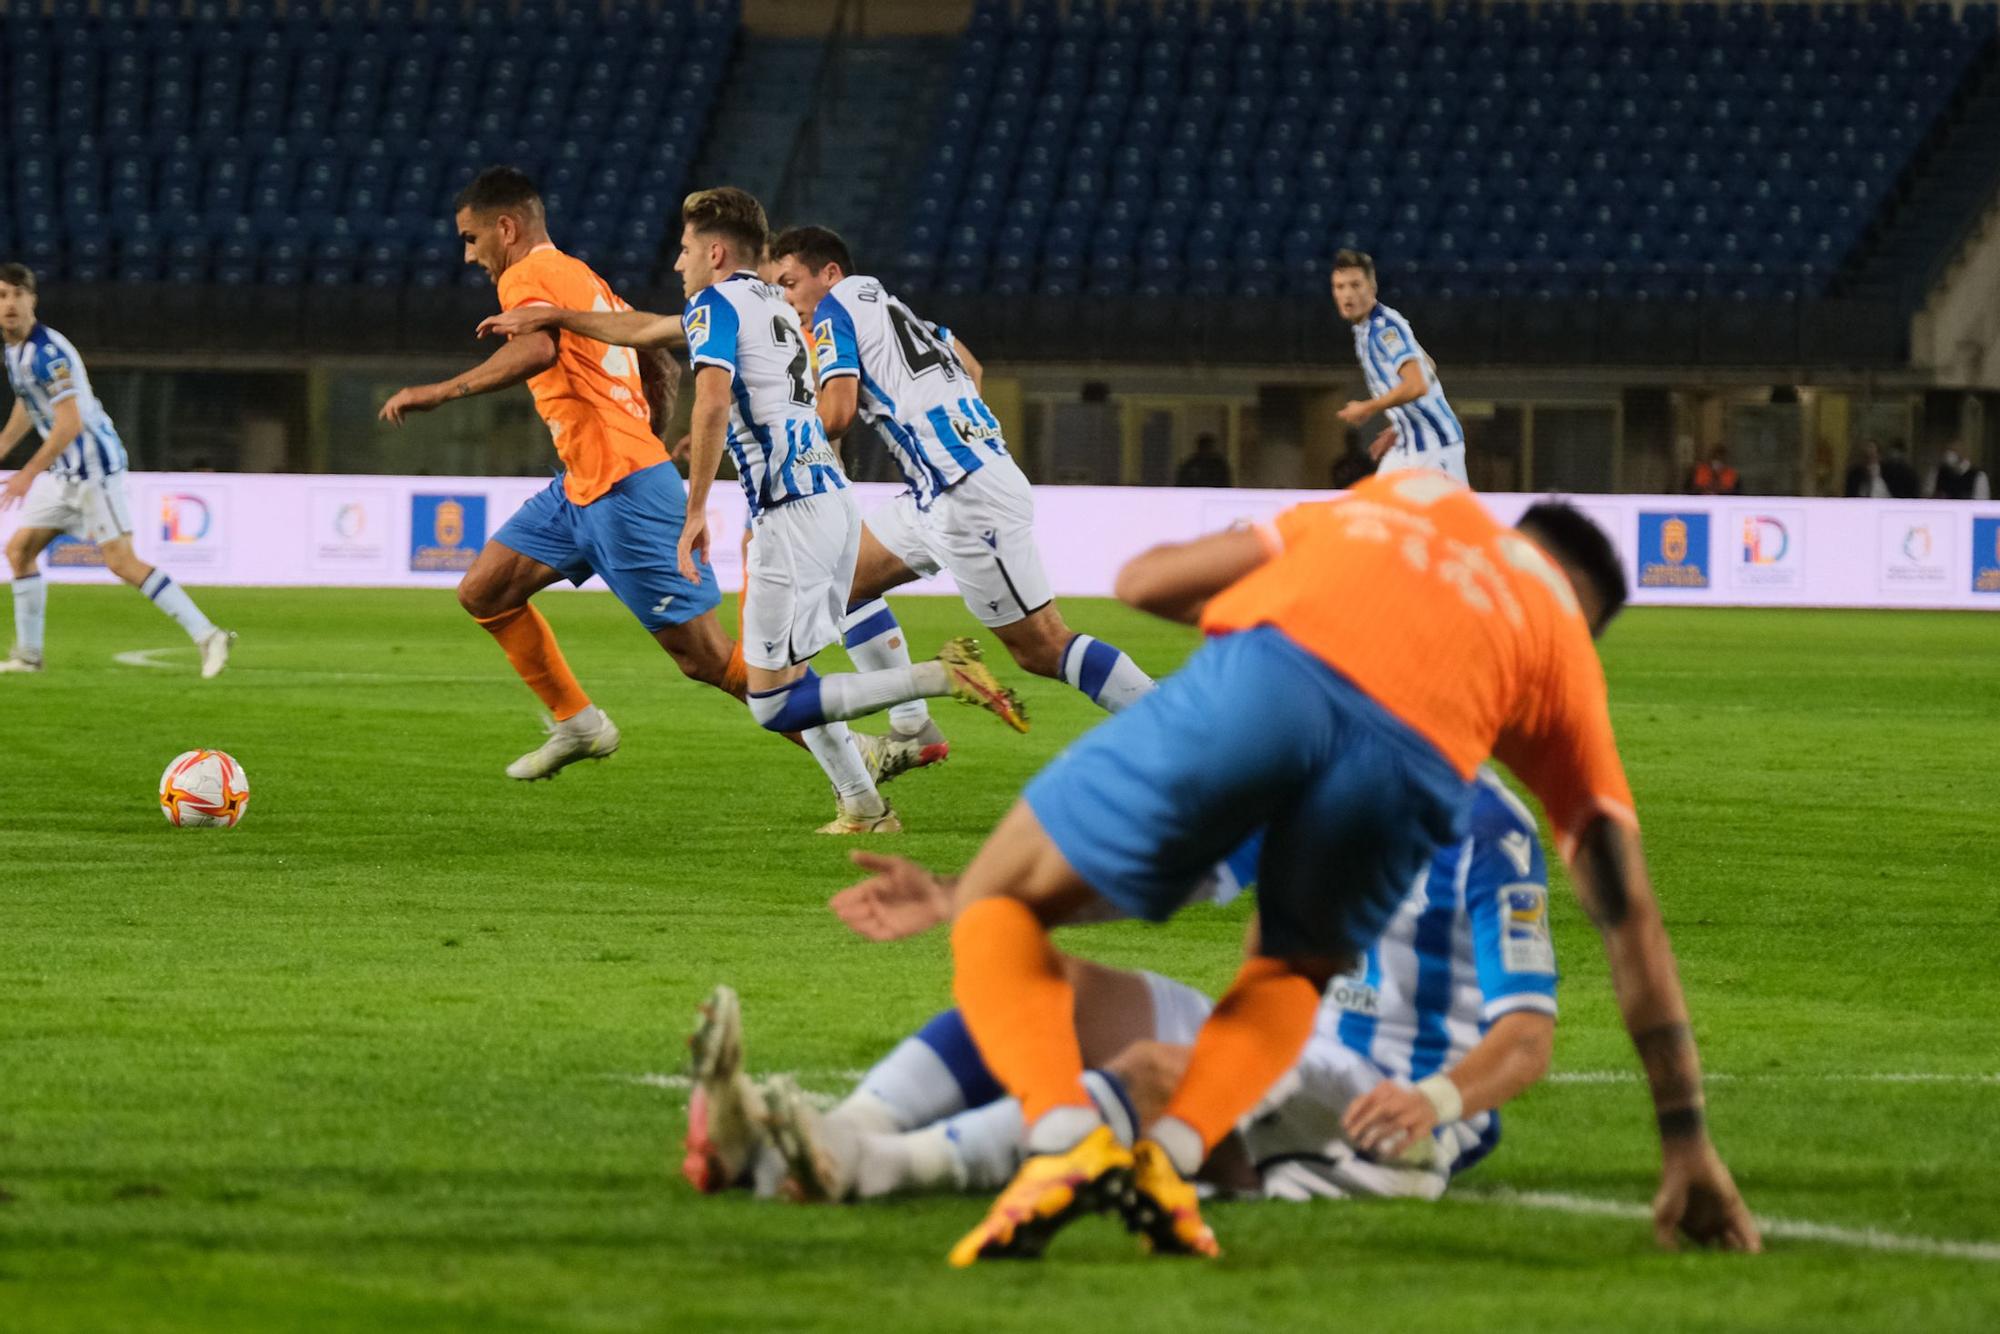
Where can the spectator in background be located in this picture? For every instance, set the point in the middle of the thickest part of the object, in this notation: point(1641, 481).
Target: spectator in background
point(1713, 476)
point(1204, 467)
point(1959, 478)
point(1897, 473)
point(1351, 466)
point(1864, 479)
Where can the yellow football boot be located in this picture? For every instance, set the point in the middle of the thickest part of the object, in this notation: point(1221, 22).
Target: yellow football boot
point(1046, 1195)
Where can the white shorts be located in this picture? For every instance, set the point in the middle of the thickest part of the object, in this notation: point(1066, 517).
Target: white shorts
point(1179, 1010)
point(94, 511)
point(982, 532)
point(1449, 460)
point(1294, 1135)
point(796, 584)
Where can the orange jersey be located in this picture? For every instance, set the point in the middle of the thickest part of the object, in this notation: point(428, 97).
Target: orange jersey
point(1454, 623)
point(592, 398)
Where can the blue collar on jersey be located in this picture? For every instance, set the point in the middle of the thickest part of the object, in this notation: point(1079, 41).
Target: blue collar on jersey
point(740, 273)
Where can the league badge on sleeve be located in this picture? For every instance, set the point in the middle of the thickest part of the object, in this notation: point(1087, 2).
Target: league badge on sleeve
point(1525, 946)
point(695, 326)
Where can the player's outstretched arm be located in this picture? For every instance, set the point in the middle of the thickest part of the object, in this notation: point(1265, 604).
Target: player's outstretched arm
point(1176, 581)
point(621, 328)
point(521, 359)
point(1512, 1056)
point(68, 426)
point(1697, 1196)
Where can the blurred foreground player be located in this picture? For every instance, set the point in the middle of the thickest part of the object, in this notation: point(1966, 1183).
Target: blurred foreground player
point(1366, 655)
point(618, 506)
point(73, 484)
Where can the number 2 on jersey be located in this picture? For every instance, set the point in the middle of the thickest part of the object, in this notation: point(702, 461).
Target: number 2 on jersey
point(783, 333)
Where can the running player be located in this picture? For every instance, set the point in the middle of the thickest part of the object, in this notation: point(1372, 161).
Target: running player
point(1366, 655)
point(617, 508)
point(1423, 431)
point(74, 484)
point(753, 396)
point(967, 508)
point(1453, 1009)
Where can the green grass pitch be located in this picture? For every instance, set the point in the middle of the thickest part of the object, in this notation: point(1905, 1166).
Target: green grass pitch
point(372, 1060)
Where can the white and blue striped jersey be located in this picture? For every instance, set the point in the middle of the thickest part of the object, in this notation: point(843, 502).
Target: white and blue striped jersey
point(44, 370)
point(913, 386)
point(1469, 945)
point(1383, 342)
point(781, 451)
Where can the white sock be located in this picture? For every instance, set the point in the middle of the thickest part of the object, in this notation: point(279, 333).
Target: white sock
point(910, 1087)
point(857, 694)
point(920, 1161)
point(1181, 1141)
point(985, 1144)
point(833, 746)
point(1061, 1129)
point(876, 642)
point(31, 609)
point(1103, 672)
point(172, 599)
point(587, 720)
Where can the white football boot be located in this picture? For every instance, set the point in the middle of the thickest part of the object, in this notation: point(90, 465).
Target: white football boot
point(897, 753)
point(591, 735)
point(726, 1111)
point(215, 652)
point(857, 820)
point(19, 661)
point(820, 1149)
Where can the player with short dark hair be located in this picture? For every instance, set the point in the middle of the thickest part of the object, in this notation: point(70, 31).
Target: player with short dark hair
point(1365, 656)
point(617, 508)
point(74, 484)
point(754, 398)
point(1423, 431)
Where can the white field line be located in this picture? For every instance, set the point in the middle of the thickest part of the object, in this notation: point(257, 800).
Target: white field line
point(1803, 1077)
point(149, 657)
point(1784, 1229)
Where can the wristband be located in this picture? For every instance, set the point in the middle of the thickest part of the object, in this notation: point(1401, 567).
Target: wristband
point(1444, 1098)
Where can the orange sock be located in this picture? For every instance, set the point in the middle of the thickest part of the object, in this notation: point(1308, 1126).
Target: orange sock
point(531, 646)
point(1019, 1007)
point(736, 676)
point(1254, 1035)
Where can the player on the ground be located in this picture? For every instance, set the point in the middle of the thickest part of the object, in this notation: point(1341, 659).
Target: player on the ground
point(1423, 431)
point(618, 506)
point(74, 484)
point(1366, 655)
point(754, 398)
point(1452, 1010)
point(967, 508)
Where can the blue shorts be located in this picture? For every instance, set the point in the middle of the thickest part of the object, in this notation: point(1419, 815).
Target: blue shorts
point(1254, 731)
point(630, 536)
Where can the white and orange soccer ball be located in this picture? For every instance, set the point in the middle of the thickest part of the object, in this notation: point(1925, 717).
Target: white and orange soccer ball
point(204, 787)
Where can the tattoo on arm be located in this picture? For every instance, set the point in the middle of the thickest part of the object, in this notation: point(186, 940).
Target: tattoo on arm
point(1674, 1074)
point(1600, 855)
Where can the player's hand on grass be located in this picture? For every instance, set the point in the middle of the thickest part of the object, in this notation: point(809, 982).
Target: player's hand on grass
point(416, 398)
point(1698, 1199)
point(1357, 412)
point(16, 487)
point(1387, 1119)
point(900, 899)
point(511, 323)
point(1381, 444)
point(694, 542)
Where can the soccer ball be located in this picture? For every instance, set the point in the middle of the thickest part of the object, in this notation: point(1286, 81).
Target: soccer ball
point(204, 787)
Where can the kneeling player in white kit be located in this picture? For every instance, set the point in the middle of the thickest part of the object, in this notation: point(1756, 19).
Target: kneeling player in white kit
point(74, 484)
point(1450, 1015)
point(753, 395)
point(967, 508)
